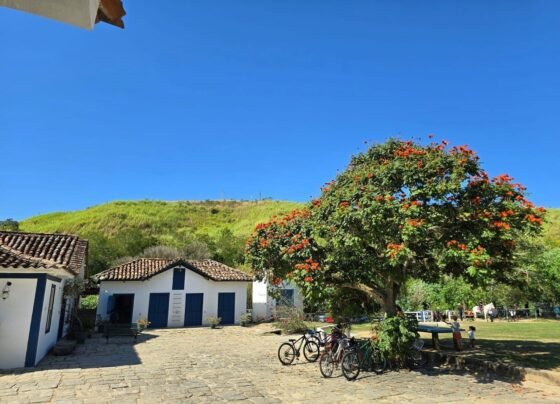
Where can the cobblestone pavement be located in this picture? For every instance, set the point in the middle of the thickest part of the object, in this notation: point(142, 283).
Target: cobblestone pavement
point(233, 363)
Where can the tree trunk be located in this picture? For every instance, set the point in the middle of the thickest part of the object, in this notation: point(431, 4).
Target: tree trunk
point(389, 305)
point(384, 297)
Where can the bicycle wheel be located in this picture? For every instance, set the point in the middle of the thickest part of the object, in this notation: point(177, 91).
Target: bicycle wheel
point(379, 363)
point(351, 365)
point(286, 353)
point(311, 351)
point(416, 360)
point(326, 364)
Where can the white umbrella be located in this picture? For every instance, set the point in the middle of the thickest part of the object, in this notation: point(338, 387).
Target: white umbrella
point(81, 13)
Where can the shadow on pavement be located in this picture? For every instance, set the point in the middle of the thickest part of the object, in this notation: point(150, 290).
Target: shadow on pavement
point(96, 352)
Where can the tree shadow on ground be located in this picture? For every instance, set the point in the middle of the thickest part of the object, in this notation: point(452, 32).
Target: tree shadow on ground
point(96, 352)
point(531, 354)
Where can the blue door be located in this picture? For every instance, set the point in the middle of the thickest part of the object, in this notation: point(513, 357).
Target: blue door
point(193, 309)
point(226, 307)
point(158, 310)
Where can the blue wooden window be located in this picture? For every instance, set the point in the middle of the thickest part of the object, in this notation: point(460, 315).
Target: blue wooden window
point(286, 298)
point(178, 278)
point(50, 309)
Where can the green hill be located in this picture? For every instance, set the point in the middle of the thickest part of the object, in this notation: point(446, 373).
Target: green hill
point(125, 228)
point(552, 227)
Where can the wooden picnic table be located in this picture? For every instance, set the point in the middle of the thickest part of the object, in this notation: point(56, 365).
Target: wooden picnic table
point(435, 331)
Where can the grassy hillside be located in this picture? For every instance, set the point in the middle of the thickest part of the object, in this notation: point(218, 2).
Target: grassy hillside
point(160, 218)
point(125, 228)
point(552, 227)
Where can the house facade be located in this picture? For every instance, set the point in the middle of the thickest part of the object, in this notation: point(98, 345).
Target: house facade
point(265, 306)
point(172, 293)
point(34, 313)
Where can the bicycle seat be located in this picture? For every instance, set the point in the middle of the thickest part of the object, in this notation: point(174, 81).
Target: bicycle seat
point(291, 339)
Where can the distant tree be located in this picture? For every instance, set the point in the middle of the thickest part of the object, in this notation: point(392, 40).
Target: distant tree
point(401, 210)
point(196, 250)
point(9, 225)
point(229, 248)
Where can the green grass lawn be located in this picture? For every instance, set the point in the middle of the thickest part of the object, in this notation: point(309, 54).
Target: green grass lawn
point(528, 343)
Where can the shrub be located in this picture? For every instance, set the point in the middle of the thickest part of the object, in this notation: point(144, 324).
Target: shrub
point(292, 322)
point(245, 319)
point(89, 302)
point(214, 321)
point(396, 336)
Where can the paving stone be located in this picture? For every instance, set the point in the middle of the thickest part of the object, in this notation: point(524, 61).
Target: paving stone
point(234, 363)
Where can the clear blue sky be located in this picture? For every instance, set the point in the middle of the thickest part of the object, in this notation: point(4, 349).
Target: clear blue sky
point(241, 99)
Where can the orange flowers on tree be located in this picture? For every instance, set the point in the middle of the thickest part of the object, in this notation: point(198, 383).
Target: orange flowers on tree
point(406, 197)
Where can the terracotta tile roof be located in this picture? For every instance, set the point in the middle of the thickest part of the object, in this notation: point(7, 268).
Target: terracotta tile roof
point(42, 251)
point(144, 268)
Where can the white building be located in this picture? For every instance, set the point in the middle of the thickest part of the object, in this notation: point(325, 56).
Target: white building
point(172, 293)
point(33, 311)
point(265, 306)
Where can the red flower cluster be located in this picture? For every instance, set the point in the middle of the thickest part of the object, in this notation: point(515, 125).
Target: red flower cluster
point(308, 279)
point(533, 219)
point(395, 248)
point(507, 213)
point(263, 243)
point(316, 202)
point(414, 222)
point(276, 281)
point(502, 179)
point(309, 265)
point(408, 150)
point(464, 150)
point(501, 225)
point(478, 250)
point(460, 246)
point(343, 204)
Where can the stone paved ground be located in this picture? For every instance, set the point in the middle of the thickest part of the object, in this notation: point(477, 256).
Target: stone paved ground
point(202, 365)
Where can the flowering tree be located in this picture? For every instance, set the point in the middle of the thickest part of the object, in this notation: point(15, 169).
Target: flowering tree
point(400, 210)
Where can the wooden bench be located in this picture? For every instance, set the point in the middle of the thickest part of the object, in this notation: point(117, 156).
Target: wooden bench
point(121, 330)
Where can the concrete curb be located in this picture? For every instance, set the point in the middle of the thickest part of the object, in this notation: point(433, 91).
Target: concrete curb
point(514, 373)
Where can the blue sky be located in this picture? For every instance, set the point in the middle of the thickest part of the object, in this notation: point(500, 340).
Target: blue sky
point(241, 99)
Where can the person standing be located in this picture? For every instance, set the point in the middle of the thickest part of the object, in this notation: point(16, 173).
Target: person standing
point(472, 329)
point(460, 310)
point(456, 329)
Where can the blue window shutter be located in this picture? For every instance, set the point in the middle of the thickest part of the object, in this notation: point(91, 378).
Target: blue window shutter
point(178, 279)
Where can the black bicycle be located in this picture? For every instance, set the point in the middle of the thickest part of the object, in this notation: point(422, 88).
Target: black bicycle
point(289, 351)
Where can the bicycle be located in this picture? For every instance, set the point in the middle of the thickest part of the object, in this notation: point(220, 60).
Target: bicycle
point(415, 359)
point(364, 356)
point(287, 351)
point(331, 358)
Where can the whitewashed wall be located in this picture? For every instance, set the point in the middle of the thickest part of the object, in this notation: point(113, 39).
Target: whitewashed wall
point(48, 340)
point(163, 283)
point(15, 321)
point(264, 305)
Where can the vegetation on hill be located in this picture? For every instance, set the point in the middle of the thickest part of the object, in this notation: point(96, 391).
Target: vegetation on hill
point(126, 228)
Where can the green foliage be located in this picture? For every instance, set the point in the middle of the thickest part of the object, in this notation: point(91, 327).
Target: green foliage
point(401, 210)
point(120, 229)
point(545, 280)
point(9, 225)
point(229, 248)
point(395, 336)
point(89, 302)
